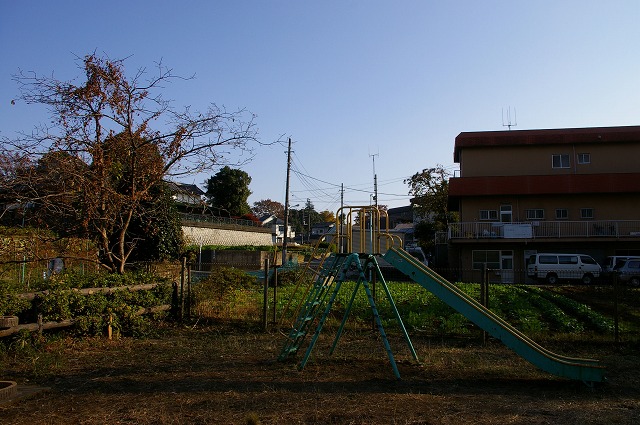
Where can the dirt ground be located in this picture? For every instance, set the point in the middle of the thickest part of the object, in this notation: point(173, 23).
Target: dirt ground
point(222, 374)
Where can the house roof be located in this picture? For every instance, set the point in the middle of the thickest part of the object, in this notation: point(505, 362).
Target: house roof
point(545, 184)
point(545, 137)
point(190, 189)
point(269, 219)
point(323, 224)
point(400, 210)
point(404, 227)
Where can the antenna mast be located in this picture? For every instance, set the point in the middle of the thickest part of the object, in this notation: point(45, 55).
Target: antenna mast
point(508, 123)
point(375, 179)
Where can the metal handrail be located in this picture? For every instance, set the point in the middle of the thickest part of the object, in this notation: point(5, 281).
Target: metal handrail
point(546, 229)
point(218, 220)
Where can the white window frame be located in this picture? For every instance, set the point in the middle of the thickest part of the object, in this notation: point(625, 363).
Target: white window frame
point(584, 158)
point(534, 214)
point(558, 161)
point(490, 215)
point(506, 213)
point(479, 258)
point(477, 261)
point(562, 214)
point(586, 213)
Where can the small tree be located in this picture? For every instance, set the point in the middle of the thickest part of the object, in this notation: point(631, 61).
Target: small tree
point(112, 140)
point(228, 191)
point(430, 190)
point(327, 216)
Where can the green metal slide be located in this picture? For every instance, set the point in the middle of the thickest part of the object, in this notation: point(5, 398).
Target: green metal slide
point(586, 370)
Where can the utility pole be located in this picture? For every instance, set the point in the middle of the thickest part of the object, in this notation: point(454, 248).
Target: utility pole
point(286, 207)
point(309, 219)
point(341, 219)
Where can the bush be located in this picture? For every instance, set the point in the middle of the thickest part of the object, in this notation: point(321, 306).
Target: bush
point(221, 290)
point(91, 313)
point(290, 276)
point(221, 283)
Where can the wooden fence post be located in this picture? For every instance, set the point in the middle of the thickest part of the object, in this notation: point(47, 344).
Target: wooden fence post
point(616, 312)
point(265, 294)
point(484, 295)
point(275, 292)
point(182, 278)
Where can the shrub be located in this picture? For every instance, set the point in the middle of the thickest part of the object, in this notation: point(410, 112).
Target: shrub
point(219, 288)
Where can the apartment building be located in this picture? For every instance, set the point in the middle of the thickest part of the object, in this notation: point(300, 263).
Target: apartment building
point(563, 190)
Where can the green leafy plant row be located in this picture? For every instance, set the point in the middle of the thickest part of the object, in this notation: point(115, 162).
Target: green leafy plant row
point(557, 318)
point(591, 318)
point(532, 310)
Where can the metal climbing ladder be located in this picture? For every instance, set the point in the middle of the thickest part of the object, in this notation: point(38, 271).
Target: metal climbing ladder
point(312, 304)
point(333, 274)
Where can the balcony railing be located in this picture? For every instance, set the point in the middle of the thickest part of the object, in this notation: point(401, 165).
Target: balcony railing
point(546, 229)
point(201, 218)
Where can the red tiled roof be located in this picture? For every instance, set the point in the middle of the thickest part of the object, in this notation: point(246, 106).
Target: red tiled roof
point(544, 137)
point(545, 185)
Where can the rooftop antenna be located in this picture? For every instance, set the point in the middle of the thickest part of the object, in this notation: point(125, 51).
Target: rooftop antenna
point(375, 178)
point(508, 123)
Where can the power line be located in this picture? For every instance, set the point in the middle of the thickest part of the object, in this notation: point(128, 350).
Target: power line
point(351, 188)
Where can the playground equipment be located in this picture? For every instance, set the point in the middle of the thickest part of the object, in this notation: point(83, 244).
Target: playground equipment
point(337, 268)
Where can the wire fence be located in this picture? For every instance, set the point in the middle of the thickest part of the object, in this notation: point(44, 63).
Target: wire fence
point(272, 300)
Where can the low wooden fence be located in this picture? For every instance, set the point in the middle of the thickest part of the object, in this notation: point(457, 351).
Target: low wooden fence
point(40, 325)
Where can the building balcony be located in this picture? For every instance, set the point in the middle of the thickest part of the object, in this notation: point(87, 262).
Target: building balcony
point(615, 229)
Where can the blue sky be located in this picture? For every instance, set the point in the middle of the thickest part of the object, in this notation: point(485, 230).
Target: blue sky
point(351, 82)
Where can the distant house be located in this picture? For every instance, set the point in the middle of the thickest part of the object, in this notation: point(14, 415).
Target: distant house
point(188, 194)
point(320, 229)
point(277, 228)
point(400, 215)
point(189, 198)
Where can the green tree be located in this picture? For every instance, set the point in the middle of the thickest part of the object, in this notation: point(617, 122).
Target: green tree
point(157, 230)
point(228, 191)
point(116, 156)
point(430, 191)
point(357, 219)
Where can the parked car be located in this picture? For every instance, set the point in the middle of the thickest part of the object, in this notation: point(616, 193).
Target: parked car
point(418, 254)
point(629, 272)
point(552, 267)
point(610, 263)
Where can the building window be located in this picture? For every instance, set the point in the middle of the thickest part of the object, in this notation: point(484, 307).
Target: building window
point(584, 158)
point(535, 214)
point(490, 258)
point(560, 161)
point(489, 215)
point(506, 213)
point(562, 214)
point(586, 213)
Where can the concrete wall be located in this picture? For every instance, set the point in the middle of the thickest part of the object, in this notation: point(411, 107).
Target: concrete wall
point(227, 237)
point(245, 260)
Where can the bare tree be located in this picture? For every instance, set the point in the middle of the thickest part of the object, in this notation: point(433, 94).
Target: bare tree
point(111, 140)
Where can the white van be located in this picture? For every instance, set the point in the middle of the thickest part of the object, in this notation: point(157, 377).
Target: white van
point(554, 267)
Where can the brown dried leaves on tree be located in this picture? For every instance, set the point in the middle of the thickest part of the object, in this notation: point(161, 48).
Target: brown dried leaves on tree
point(111, 140)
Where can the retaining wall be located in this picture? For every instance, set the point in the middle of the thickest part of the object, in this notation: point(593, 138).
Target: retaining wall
point(200, 235)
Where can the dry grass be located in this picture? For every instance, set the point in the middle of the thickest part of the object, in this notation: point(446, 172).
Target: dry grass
point(226, 374)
